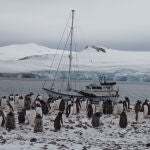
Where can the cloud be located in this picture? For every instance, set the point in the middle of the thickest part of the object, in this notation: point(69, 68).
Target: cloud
point(99, 21)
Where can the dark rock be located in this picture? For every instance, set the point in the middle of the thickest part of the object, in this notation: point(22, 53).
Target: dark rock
point(33, 140)
point(148, 145)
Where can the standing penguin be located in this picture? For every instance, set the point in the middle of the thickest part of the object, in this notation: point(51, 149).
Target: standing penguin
point(38, 123)
point(2, 118)
point(16, 98)
point(32, 116)
point(44, 107)
point(96, 119)
point(138, 106)
point(83, 104)
point(32, 98)
point(62, 106)
point(20, 102)
point(3, 102)
point(89, 111)
point(38, 109)
point(123, 120)
point(12, 102)
point(146, 108)
point(139, 116)
point(128, 102)
point(21, 116)
point(58, 122)
point(10, 121)
point(118, 108)
point(69, 110)
point(9, 108)
point(27, 102)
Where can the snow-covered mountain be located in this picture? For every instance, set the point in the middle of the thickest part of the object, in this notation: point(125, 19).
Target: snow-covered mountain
point(26, 58)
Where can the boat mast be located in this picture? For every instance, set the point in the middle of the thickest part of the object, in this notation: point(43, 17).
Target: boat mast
point(70, 55)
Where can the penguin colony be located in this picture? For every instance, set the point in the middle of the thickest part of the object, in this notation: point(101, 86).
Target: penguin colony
point(30, 110)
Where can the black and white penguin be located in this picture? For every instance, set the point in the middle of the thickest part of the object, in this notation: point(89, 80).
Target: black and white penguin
point(118, 108)
point(57, 102)
point(89, 111)
point(139, 116)
point(44, 107)
point(12, 102)
point(123, 122)
point(32, 98)
point(22, 116)
point(3, 102)
point(10, 121)
point(138, 106)
point(51, 106)
point(62, 106)
point(32, 115)
point(27, 102)
point(9, 107)
point(38, 123)
point(38, 109)
point(16, 98)
point(20, 102)
point(2, 118)
point(96, 119)
point(146, 108)
point(127, 102)
point(108, 107)
point(69, 110)
point(58, 122)
point(78, 105)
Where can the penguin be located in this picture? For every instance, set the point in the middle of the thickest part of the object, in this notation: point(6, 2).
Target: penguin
point(16, 98)
point(146, 108)
point(62, 106)
point(139, 116)
point(125, 105)
point(56, 102)
point(9, 107)
point(38, 109)
point(78, 105)
point(69, 110)
point(89, 111)
point(58, 122)
point(110, 107)
point(10, 121)
point(12, 102)
point(3, 102)
point(128, 102)
point(51, 106)
point(44, 107)
point(118, 108)
point(123, 120)
point(2, 118)
point(11, 96)
point(96, 119)
point(39, 97)
point(21, 116)
point(32, 116)
point(138, 106)
point(27, 102)
point(38, 123)
point(32, 98)
point(20, 102)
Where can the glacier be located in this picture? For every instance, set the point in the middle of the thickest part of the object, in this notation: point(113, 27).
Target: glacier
point(34, 61)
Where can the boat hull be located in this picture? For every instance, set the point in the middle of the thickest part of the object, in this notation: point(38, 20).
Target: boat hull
point(67, 95)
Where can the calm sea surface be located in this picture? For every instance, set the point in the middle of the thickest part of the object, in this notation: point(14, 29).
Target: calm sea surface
point(23, 86)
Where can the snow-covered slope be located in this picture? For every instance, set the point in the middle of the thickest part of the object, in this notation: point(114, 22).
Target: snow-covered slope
point(32, 57)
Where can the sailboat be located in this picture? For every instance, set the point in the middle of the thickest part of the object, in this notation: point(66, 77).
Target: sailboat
point(99, 90)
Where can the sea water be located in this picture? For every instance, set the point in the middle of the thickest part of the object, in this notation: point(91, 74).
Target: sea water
point(135, 91)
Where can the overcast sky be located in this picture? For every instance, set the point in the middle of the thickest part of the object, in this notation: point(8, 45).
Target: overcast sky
point(117, 24)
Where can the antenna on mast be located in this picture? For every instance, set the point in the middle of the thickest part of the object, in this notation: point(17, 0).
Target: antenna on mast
point(70, 54)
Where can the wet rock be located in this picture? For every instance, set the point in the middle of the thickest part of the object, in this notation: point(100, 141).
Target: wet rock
point(52, 142)
point(2, 140)
point(33, 140)
point(148, 145)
